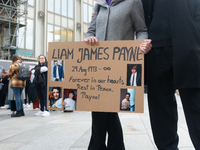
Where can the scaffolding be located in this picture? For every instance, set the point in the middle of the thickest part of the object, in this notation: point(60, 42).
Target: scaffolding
point(13, 15)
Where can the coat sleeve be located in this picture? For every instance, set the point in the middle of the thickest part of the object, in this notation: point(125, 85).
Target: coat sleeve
point(139, 21)
point(92, 27)
point(62, 72)
point(54, 71)
point(197, 11)
point(5, 79)
point(11, 71)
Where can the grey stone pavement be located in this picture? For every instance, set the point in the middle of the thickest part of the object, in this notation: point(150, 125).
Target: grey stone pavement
point(71, 131)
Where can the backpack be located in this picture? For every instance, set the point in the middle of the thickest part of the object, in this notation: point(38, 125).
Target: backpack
point(23, 72)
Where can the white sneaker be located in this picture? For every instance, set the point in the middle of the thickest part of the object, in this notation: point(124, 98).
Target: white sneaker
point(11, 112)
point(3, 107)
point(27, 105)
point(39, 113)
point(45, 114)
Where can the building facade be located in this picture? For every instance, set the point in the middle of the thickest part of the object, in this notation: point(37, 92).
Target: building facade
point(52, 21)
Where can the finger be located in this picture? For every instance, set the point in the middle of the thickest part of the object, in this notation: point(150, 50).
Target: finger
point(92, 15)
point(143, 49)
point(86, 41)
point(90, 41)
point(147, 40)
point(96, 41)
point(93, 42)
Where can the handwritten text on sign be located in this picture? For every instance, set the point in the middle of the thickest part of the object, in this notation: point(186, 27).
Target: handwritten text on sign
point(100, 74)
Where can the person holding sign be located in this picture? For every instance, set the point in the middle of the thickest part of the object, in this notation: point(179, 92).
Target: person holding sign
point(173, 63)
point(112, 22)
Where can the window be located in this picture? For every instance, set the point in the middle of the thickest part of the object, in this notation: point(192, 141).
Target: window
point(64, 35)
point(57, 34)
point(70, 35)
point(64, 8)
point(57, 6)
point(29, 34)
point(30, 12)
point(49, 34)
point(70, 24)
point(85, 13)
point(71, 8)
point(90, 10)
point(31, 2)
point(21, 37)
point(51, 5)
point(60, 18)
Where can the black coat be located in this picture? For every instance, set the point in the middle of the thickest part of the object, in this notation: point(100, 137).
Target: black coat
point(185, 31)
point(40, 78)
point(5, 81)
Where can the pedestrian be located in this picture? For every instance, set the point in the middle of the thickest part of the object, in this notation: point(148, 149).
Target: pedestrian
point(173, 63)
point(112, 22)
point(27, 101)
point(4, 85)
point(41, 87)
point(32, 93)
point(17, 85)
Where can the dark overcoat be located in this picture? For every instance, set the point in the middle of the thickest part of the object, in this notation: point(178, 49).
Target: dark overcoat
point(185, 31)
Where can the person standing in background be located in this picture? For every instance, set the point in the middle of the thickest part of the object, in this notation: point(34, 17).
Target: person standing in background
point(41, 73)
point(17, 85)
point(32, 93)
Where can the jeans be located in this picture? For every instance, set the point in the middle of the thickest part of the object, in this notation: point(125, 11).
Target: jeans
point(58, 79)
point(17, 93)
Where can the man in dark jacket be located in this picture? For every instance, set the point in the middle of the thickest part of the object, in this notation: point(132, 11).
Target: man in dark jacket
point(58, 73)
point(173, 63)
point(134, 79)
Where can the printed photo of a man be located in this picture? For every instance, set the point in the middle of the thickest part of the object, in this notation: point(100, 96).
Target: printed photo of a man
point(58, 72)
point(134, 75)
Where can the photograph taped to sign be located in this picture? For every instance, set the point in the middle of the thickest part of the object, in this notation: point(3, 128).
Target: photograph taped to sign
point(100, 75)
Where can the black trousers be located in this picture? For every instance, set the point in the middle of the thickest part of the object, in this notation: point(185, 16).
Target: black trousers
point(162, 102)
point(102, 123)
point(42, 95)
point(2, 98)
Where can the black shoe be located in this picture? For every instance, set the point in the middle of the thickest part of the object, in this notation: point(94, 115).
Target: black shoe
point(18, 114)
point(22, 112)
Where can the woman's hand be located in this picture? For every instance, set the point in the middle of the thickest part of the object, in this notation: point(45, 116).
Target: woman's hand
point(145, 47)
point(92, 41)
point(92, 15)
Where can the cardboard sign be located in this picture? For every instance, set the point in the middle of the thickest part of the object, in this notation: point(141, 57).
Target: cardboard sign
point(106, 78)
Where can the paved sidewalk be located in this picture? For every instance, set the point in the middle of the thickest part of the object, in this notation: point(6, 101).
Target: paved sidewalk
point(71, 131)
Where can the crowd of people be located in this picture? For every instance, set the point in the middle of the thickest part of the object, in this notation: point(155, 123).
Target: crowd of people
point(20, 93)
